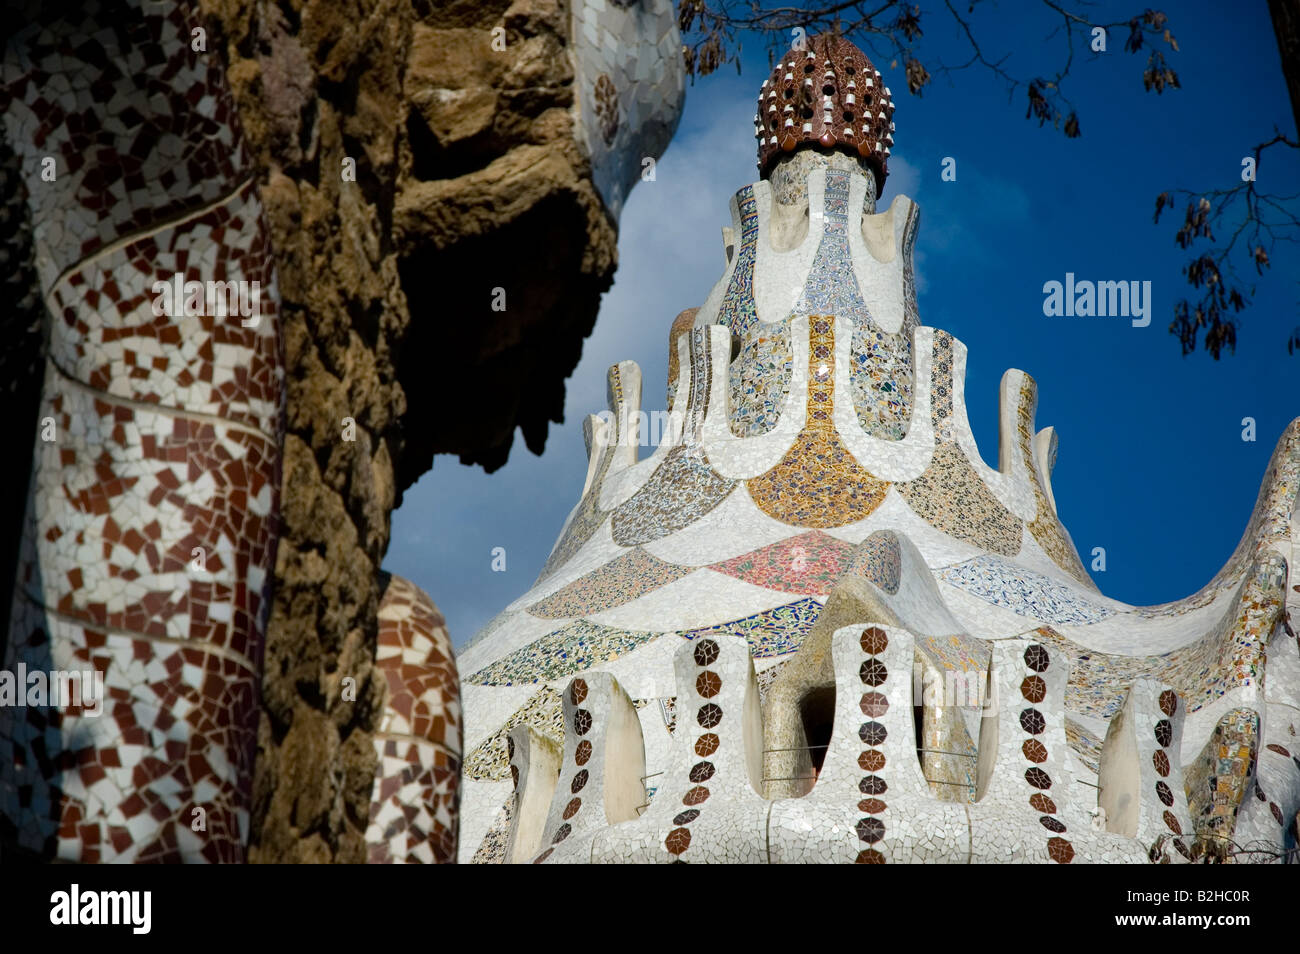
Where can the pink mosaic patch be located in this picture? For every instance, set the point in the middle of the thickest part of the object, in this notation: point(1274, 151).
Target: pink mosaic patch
point(809, 563)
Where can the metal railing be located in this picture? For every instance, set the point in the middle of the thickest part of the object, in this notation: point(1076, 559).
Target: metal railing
point(960, 755)
point(813, 778)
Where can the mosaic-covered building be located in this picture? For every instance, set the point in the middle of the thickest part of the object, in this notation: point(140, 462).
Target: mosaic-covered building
point(815, 625)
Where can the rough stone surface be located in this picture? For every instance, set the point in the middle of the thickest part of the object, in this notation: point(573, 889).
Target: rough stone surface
point(462, 154)
point(489, 166)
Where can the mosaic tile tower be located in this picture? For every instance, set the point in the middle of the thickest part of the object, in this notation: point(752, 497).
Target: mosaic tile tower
point(815, 625)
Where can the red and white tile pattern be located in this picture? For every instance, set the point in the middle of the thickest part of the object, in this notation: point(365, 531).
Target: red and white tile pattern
point(414, 808)
point(153, 507)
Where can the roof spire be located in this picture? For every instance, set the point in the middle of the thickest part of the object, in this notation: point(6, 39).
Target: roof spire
point(827, 95)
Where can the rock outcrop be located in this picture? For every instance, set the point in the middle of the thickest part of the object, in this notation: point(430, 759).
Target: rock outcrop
point(472, 193)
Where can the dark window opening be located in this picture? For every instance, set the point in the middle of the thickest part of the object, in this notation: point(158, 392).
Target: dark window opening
point(918, 720)
point(817, 714)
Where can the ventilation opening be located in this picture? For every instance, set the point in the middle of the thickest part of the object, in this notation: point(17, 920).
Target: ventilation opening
point(918, 723)
point(817, 714)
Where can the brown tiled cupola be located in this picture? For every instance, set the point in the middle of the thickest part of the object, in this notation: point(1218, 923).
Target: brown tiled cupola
point(827, 95)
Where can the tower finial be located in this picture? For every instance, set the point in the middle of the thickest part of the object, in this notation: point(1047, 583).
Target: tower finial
point(827, 95)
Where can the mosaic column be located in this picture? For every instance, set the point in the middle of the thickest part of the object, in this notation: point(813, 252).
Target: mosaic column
point(602, 771)
point(415, 801)
point(152, 517)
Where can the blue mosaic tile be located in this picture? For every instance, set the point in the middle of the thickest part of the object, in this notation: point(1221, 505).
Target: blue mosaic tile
point(1022, 591)
point(760, 379)
point(572, 648)
point(880, 560)
point(880, 382)
point(737, 311)
point(773, 632)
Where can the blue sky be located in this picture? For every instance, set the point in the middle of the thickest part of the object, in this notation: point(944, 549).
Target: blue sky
point(1152, 465)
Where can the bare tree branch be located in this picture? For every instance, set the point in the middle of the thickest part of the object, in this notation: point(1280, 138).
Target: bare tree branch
point(1259, 222)
point(892, 30)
